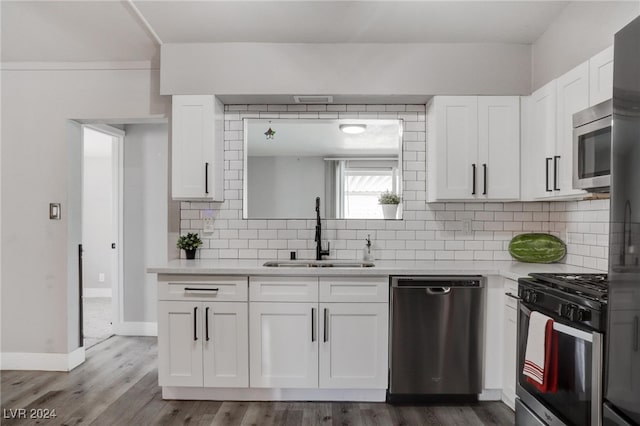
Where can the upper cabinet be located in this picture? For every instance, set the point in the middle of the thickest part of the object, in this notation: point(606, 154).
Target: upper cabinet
point(197, 143)
point(547, 134)
point(601, 77)
point(474, 148)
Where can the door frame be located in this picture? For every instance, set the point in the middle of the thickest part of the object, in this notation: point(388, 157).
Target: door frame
point(117, 263)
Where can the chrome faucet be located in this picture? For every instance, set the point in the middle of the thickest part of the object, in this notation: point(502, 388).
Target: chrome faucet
point(319, 251)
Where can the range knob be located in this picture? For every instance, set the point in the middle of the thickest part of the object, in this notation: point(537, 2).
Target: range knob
point(569, 311)
point(584, 315)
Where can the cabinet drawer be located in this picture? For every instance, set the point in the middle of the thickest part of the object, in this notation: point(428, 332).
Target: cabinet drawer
point(354, 289)
point(511, 287)
point(202, 287)
point(283, 289)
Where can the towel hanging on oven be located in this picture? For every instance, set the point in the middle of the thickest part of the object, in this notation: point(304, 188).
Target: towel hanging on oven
point(541, 355)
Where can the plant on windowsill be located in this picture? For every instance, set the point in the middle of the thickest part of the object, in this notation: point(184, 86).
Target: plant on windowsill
point(389, 201)
point(189, 243)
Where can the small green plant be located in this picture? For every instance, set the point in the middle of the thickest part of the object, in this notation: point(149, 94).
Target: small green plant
point(189, 242)
point(389, 197)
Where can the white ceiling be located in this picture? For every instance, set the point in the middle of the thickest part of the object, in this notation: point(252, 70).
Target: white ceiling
point(350, 21)
point(322, 138)
point(79, 31)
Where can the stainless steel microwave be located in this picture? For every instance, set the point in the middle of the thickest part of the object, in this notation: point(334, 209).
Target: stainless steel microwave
point(592, 148)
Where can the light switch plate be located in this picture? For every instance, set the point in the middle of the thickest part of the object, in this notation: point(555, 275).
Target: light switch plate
point(466, 226)
point(207, 221)
point(55, 212)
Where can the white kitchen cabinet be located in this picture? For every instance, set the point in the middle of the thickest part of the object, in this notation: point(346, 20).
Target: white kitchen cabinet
point(601, 77)
point(326, 332)
point(572, 97)
point(179, 343)
point(474, 148)
point(510, 350)
point(283, 338)
point(197, 148)
point(203, 344)
point(540, 142)
point(226, 344)
point(354, 345)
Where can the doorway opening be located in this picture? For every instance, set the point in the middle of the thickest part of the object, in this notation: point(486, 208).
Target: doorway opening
point(101, 231)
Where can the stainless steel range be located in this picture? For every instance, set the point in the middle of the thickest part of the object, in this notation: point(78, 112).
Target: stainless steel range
point(578, 306)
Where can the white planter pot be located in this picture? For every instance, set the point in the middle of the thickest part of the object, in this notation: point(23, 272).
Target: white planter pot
point(389, 211)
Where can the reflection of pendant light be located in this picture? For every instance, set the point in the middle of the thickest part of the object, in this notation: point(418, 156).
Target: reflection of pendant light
point(270, 133)
point(353, 129)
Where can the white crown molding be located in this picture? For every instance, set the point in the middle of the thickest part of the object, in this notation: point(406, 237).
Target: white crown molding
point(42, 361)
point(77, 66)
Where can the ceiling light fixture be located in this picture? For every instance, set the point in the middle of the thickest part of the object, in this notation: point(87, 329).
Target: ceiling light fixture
point(270, 133)
point(353, 129)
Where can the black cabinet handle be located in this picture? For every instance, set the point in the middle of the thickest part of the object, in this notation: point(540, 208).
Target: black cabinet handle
point(555, 173)
point(313, 324)
point(473, 179)
point(200, 289)
point(546, 174)
point(206, 323)
point(326, 325)
point(195, 323)
point(484, 172)
point(206, 178)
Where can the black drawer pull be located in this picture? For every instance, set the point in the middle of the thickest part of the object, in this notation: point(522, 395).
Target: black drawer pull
point(546, 175)
point(484, 167)
point(206, 323)
point(200, 289)
point(206, 178)
point(473, 179)
point(195, 323)
point(555, 173)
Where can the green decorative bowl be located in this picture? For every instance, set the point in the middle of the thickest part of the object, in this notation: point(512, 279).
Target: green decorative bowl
point(537, 248)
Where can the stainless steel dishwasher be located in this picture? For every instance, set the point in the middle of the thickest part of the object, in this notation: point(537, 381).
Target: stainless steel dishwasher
point(436, 336)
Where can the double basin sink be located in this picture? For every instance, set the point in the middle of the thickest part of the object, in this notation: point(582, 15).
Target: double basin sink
point(318, 264)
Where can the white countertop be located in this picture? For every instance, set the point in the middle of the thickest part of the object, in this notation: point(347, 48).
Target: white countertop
point(508, 269)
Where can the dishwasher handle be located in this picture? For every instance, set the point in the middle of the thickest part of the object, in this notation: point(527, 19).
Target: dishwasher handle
point(438, 291)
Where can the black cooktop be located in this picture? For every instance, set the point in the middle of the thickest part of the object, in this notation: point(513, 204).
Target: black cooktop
point(593, 285)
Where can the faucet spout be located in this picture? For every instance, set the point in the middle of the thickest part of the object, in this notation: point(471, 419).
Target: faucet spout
point(319, 251)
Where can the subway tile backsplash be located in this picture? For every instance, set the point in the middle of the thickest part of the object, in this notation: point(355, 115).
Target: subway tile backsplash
point(427, 232)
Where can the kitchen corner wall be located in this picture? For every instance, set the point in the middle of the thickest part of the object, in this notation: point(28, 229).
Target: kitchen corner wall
point(427, 232)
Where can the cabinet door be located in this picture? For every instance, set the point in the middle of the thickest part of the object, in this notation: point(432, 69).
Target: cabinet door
point(354, 345)
point(197, 147)
point(453, 148)
point(509, 357)
point(179, 343)
point(226, 344)
point(499, 147)
point(284, 345)
point(573, 96)
point(601, 77)
point(542, 140)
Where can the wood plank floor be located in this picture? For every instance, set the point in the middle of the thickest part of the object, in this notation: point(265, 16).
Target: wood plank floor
point(118, 385)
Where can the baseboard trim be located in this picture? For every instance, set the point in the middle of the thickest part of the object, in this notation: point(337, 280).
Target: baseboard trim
point(97, 292)
point(42, 361)
point(130, 328)
point(490, 395)
point(266, 394)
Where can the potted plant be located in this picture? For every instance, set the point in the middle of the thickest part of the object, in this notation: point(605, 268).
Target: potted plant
point(189, 243)
point(389, 201)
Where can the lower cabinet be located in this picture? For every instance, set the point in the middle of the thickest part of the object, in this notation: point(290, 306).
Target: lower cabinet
point(510, 331)
point(284, 345)
point(313, 344)
point(203, 344)
point(354, 345)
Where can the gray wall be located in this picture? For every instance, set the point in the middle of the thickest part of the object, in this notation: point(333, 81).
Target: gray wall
point(284, 187)
point(97, 221)
point(582, 29)
point(356, 69)
point(39, 158)
point(146, 158)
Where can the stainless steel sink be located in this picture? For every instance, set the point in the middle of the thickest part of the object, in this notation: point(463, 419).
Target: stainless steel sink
point(318, 264)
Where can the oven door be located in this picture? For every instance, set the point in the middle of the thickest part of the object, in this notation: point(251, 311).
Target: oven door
point(578, 400)
point(592, 155)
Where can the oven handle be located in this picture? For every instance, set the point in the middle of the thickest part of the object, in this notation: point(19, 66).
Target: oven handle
point(565, 329)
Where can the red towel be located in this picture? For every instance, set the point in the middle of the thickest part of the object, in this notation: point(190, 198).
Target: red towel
point(549, 373)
